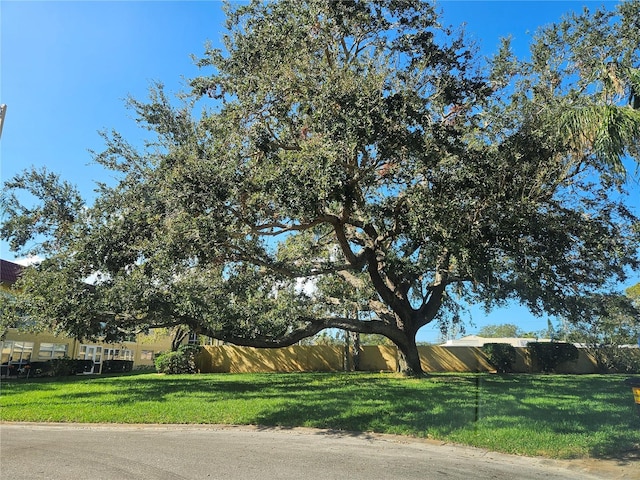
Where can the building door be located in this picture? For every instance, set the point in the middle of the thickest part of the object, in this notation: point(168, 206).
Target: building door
point(91, 352)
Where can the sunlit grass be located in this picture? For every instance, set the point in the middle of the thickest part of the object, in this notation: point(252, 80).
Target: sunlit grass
point(557, 416)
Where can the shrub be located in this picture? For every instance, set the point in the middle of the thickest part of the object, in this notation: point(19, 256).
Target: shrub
point(501, 355)
point(616, 359)
point(82, 366)
point(63, 367)
point(548, 355)
point(41, 369)
point(182, 360)
point(117, 366)
point(58, 367)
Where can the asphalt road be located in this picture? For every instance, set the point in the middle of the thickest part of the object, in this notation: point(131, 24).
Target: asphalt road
point(75, 451)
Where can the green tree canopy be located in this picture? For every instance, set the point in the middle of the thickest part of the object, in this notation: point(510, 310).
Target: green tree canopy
point(606, 329)
point(363, 143)
point(506, 330)
point(633, 293)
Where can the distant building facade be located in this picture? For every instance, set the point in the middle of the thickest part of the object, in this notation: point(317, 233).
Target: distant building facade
point(18, 348)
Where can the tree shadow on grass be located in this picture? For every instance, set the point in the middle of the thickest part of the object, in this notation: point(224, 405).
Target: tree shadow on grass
point(401, 407)
point(597, 410)
point(358, 402)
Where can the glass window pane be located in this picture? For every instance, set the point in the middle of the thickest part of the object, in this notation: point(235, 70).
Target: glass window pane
point(7, 348)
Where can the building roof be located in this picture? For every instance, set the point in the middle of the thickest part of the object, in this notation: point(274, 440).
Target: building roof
point(476, 341)
point(9, 271)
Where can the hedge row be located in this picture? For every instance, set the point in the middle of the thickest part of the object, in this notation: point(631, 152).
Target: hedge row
point(547, 355)
point(117, 366)
point(61, 367)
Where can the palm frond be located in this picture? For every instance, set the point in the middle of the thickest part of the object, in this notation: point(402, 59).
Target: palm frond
point(607, 132)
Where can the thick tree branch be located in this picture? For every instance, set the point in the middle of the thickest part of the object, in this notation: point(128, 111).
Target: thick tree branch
point(311, 327)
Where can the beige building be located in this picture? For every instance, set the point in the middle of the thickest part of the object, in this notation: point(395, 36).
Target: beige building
point(19, 348)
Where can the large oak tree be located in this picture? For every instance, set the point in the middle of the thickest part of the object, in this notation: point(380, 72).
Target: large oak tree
point(341, 155)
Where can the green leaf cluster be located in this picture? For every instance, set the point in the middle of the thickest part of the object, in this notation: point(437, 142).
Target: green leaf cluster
point(549, 355)
point(501, 355)
point(181, 361)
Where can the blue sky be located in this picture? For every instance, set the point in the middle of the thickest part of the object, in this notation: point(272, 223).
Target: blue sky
point(66, 68)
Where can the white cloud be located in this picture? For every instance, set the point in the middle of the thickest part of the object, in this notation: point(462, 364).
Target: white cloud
point(30, 260)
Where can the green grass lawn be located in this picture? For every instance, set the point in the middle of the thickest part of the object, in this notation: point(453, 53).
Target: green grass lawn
point(560, 416)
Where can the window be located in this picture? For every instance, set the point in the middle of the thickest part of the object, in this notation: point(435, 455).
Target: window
point(146, 355)
point(16, 352)
point(49, 351)
point(118, 354)
point(126, 354)
point(90, 352)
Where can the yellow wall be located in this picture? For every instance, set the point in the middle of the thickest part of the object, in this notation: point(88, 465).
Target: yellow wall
point(453, 359)
point(233, 359)
point(584, 364)
point(379, 358)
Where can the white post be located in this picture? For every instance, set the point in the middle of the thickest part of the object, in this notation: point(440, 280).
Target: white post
point(3, 111)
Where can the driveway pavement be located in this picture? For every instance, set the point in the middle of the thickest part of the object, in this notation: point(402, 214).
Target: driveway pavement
point(77, 451)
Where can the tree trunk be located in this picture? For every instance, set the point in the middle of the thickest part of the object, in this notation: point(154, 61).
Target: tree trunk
point(409, 358)
point(351, 351)
point(178, 337)
point(355, 350)
point(347, 352)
